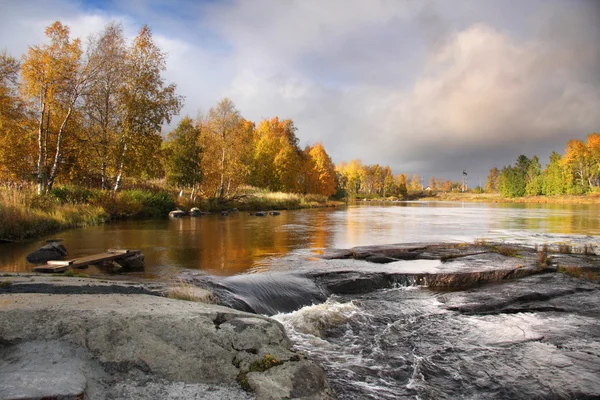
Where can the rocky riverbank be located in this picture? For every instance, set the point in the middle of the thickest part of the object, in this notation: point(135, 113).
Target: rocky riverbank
point(83, 338)
point(437, 321)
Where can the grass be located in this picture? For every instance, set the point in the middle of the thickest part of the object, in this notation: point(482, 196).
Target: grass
point(589, 198)
point(255, 199)
point(543, 259)
point(188, 292)
point(26, 215)
point(578, 272)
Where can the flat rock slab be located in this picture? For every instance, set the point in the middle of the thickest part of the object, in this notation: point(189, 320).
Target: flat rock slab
point(42, 369)
point(163, 339)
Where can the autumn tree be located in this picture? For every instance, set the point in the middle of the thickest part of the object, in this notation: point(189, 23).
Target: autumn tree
point(277, 161)
point(17, 147)
point(147, 102)
point(491, 186)
point(402, 184)
point(389, 183)
point(324, 171)
point(54, 76)
point(226, 138)
point(415, 183)
point(107, 52)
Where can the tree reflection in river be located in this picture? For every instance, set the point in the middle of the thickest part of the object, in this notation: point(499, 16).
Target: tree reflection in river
point(240, 242)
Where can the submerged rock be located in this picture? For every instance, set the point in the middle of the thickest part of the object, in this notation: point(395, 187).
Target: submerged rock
point(48, 252)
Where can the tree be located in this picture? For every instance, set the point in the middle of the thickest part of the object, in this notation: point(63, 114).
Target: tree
point(402, 184)
point(17, 147)
point(107, 52)
point(277, 160)
point(55, 76)
point(415, 184)
point(227, 141)
point(184, 155)
point(432, 183)
point(493, 178)
point(146, 104)
point(324, 170)
point(534, 178)
point(554, 181)
point(389, 183)
point(513, 178)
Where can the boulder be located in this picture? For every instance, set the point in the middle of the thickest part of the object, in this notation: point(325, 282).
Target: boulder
point(195, 212)
point(153, 339)
point(261, 214)
point(274, 213)
point(48, 252)
point(177, 214)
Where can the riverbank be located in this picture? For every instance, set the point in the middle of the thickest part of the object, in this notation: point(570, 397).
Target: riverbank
point(433, 320)
point(591, 198)
point(25, 215)
point(98, 339)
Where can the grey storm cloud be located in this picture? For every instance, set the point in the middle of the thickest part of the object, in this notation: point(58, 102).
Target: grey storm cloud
point(425, 87)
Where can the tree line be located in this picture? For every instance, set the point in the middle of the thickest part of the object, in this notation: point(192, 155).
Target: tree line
point(91, 114)
point(576, 172)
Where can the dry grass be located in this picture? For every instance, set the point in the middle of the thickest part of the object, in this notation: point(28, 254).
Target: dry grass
point(543, 259)
point(564, 248)
point(185, 291)
point(24, 215)
point(578, 272)
point(589, 198)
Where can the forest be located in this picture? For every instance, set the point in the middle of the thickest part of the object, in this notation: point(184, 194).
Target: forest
point(90, 114)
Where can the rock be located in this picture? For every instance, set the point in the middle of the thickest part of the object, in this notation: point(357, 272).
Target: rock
point(224, 213)
point(261, 214)
point(159, 339)
point(274, 213)
point(195, 212)
point(48, 252)
point(177, 214)
point(300, 380)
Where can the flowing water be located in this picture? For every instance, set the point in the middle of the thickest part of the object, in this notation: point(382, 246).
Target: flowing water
point(388, 343)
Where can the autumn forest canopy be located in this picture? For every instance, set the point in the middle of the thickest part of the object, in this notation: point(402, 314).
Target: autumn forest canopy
point(91, 112)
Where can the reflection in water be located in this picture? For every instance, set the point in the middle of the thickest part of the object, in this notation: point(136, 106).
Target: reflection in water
point(231, 245)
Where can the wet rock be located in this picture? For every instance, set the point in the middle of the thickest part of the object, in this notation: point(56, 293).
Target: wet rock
point(261, 213)
point(195, 212)
point(177, 214)
point(274, 213)
point(48, 252)
point(224, 213)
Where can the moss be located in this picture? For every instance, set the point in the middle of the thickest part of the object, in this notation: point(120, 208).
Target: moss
point(74, 274)
point(5, 284)
point(260, 365)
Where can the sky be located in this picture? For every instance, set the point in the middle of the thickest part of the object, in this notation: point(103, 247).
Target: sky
point(426, 87)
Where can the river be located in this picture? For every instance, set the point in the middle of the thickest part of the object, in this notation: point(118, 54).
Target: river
point(400, 342)
point(239, 243)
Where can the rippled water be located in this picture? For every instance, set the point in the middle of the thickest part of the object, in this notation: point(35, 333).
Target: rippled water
point(238, 243)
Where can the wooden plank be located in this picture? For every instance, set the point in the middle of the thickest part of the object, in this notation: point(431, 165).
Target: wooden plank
point(60, 262)
point(111, 255)
point(122, 251)
point(50, 268)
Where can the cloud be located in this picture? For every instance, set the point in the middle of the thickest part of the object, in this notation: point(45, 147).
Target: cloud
point(425, 87)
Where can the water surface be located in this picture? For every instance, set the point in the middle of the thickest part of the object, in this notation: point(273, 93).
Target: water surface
point(240, 242)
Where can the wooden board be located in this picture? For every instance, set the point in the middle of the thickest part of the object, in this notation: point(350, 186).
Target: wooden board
point(62, 265)
point(50, 268)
